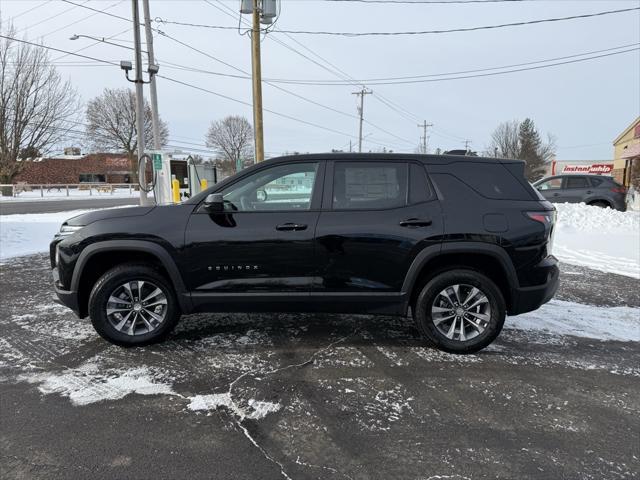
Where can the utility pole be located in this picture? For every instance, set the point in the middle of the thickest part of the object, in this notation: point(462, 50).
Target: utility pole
point(257, 83)
point(424, 137)
point(361, 94)
point(155, 118)
point(139, 101)
point(466, 145)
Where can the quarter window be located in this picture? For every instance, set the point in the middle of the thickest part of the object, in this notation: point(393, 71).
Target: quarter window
point(283, 187)
point(576, 182)
point(369, 186)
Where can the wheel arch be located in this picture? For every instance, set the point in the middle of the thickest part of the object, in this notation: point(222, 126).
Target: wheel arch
point(490, 260)
point(600, 200)
point(97, 258)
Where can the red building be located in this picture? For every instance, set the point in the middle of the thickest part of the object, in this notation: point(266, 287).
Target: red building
point(71, 169)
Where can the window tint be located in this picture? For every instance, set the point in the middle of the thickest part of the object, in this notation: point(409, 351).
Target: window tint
point(491, 180)
point(550, 184)
point(419, 190)
point(596, 181)
point(375, 185)
point(283, 187)
point(577, 182)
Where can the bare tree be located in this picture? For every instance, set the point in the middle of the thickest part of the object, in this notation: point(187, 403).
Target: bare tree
point(232, 138)
point(522, 140)
point(111, 124)
point(36, 104)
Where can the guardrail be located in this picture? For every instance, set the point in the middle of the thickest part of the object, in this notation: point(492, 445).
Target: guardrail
point(68, 189)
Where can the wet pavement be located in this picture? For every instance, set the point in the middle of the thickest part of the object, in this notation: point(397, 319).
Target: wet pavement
point(315, 396)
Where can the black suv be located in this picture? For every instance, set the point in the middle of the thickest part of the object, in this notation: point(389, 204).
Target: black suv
point(460, 241)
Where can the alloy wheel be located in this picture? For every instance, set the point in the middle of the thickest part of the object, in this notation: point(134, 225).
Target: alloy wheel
point(461, 312)
point(137, 307)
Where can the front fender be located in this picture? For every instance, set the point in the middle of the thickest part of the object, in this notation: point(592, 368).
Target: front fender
point(136, 246)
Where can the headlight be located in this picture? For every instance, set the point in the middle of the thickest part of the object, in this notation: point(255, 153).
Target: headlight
point(66, 230)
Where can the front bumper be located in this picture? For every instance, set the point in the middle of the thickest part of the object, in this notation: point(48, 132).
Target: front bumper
point(68, 298)
point(527, 299)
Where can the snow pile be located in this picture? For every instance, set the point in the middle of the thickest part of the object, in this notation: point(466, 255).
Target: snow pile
point(568, 318)
point(30, 233)
point(598, 238)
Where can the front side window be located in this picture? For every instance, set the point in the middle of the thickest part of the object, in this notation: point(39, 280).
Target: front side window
point(283, 187)
point(576, 182)
point(551, 184)
point(369, 186)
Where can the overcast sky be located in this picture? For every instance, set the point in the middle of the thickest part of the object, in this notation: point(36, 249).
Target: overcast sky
point(585, 105)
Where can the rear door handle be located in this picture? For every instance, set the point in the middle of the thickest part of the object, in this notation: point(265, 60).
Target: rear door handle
point(415, 222)
point(288, 227)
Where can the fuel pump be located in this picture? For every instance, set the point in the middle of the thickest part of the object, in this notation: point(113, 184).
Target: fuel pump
point(161, 166)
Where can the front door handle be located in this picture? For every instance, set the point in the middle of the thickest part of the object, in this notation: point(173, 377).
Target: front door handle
point(288, 227)
point(415, 222)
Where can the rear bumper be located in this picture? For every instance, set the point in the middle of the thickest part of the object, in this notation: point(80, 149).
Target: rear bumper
point(526, 299)
point(68, 298)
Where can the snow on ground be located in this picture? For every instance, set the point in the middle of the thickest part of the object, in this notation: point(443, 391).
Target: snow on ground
point(30, 233)
point(74, 194)
point(598, 238)
point(569, 318)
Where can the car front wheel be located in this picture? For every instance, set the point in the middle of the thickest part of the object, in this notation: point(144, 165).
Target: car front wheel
point(133, 305)
point(460, 311)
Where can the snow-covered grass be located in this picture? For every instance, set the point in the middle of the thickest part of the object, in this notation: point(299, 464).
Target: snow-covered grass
point(598, 238)
point(74, 194)
point(30, 233)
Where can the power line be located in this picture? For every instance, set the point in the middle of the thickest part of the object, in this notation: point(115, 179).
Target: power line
point(58, 50)
point(75, 22)
point(415, 32)
point(334, 70)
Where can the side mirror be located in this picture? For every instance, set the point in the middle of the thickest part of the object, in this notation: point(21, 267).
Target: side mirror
point(261, 195)
point(214, 202)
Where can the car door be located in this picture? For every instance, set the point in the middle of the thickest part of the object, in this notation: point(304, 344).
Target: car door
point(376, 216)
point(262, 243)
point(575, 188)
point(551, 189)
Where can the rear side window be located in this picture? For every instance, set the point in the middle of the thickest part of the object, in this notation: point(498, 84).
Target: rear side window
point(596, 181)
point(491, 180)
point(576, 182)
point(419, 190)
point(369, 186)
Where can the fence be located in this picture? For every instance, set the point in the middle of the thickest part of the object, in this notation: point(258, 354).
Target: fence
point(30, 190)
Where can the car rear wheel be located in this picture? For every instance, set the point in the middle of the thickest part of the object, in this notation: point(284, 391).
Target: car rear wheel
point(460, 311)
point(133, 305)
point(600, 204)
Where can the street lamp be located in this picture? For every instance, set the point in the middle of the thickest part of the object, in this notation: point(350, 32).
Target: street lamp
point(75, 36)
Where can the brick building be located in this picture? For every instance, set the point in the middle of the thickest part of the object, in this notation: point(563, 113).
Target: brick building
point(63, 169)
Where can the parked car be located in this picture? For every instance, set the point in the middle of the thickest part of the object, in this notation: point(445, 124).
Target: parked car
point(458, 241)
point(596, 190)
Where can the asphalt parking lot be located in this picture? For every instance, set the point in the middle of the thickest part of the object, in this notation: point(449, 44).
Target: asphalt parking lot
point(312, 396)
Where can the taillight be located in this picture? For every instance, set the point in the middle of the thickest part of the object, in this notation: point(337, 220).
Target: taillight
point(548, 219)
point(545, 218)
point(619, 189)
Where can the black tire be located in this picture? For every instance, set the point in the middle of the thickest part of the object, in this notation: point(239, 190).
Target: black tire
point(118, 276)
point(600, 203)
point(433, 288)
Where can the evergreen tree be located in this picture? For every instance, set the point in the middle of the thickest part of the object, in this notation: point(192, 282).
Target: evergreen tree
point(531, 150)
point(521, 140)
